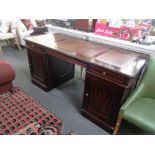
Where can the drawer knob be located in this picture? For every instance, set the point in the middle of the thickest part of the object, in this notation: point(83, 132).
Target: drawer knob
point(104, 73)
point(86, 94)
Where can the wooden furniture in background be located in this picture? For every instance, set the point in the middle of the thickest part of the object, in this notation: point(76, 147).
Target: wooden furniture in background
point(86, 25)
point(111, 73)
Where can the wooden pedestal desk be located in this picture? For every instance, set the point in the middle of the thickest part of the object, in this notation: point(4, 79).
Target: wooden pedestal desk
point(111, 73)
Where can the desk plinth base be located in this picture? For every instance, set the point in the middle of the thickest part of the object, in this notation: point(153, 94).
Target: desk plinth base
point(49, 86)
point(97, 121)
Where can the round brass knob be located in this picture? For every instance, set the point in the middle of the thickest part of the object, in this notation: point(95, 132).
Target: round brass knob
point(104, 73)
point(86, 94)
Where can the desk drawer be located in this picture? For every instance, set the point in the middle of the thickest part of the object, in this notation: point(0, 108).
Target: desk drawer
point(35, 47)
point(107, 74)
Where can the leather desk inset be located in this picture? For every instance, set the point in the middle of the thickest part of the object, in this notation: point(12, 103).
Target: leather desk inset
point(111, 73)
point(117, 59)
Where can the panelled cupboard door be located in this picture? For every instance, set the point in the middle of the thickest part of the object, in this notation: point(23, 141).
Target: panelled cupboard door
point(37, 64)
point(102, 98)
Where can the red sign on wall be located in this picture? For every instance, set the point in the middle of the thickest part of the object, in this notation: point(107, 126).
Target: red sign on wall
point(104, 30)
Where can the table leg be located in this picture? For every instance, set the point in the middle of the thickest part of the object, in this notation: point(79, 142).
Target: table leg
point(17, 43)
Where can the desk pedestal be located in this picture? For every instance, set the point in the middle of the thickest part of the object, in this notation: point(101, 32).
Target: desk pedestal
point(47, 72)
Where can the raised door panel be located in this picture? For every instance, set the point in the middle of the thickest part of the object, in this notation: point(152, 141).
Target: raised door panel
point(37, 63)
point(102, 99)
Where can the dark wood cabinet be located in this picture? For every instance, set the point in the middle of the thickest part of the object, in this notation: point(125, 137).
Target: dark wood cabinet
point(38, 68)
point(101, 101)
point(47, 71)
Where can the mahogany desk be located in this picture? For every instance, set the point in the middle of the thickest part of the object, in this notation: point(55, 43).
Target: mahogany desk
point(111, 73)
